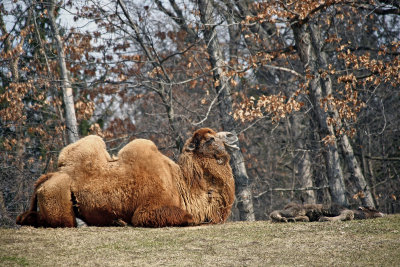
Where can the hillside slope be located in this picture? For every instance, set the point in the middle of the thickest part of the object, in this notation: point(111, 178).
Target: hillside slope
point(261, 243)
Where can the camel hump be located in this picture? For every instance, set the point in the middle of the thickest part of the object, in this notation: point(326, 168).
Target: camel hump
point(90, 148)
point(138, 149)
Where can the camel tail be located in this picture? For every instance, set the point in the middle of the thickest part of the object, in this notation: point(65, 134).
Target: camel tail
point(31, 216)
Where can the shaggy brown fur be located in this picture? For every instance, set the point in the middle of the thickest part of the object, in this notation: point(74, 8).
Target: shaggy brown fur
point(53, 202)
point(294, 212)
point(142, 187)
point(361, 213)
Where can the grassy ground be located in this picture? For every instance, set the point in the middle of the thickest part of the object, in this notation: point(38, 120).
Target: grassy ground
point(355, 243)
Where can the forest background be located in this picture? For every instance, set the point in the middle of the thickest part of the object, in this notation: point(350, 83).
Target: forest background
point(311, 88)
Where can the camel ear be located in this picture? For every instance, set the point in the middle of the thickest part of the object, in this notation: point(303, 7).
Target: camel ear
point(194, 143)
point(191, 147)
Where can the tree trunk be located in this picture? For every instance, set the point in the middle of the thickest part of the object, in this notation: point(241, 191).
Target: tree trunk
point(302, 162)
point(243, 191)
point(315, 59)
point(305, 176)
point(369, 163)
point(355, 169)
point(309, 43)
point(71, 123)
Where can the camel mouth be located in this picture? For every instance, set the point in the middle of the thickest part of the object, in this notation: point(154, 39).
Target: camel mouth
point(231, 147)
point(230, 140)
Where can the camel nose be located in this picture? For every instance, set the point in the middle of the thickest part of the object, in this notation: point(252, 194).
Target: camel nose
point(228, 137)
point(229, 140)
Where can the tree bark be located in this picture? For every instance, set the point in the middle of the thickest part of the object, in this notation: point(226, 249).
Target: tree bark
point(302, 162)
point(315, 59)
point(308, 41)
point(243, 191)
point(356, 172)
point(68, 97)
point(369, 163)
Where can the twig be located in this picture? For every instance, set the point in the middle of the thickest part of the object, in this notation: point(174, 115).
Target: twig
point(291, 189)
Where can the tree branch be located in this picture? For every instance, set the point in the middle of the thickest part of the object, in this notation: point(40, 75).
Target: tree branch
point(291, 189)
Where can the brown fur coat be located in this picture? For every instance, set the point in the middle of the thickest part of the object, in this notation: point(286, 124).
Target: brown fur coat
point(294, 212)
point(142, 187)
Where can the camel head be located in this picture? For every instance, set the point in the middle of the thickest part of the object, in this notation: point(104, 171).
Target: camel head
point(206, 142)
point(230, 140)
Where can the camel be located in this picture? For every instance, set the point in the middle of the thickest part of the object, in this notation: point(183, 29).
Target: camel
point(294, 212)
point(141, 187)
point(361, 213)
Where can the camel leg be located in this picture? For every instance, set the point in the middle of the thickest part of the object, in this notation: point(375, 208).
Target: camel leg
point(345, 215)
point(301, 219)
point(31, 218)
point(161, 216)
point(54, 202)
point(276, 216)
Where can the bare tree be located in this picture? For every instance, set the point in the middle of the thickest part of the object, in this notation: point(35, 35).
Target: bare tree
point(70, 117)
point(163, 89)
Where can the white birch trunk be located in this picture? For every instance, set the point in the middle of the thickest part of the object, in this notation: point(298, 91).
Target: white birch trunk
point(68, 97)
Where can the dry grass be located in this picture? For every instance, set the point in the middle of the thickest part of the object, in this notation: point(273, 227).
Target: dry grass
point(262, 243)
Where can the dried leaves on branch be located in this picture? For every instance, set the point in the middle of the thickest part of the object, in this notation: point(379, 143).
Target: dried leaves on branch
point(146, 72)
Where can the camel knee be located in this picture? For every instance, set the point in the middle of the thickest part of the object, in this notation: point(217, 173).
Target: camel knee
point(276, 216)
